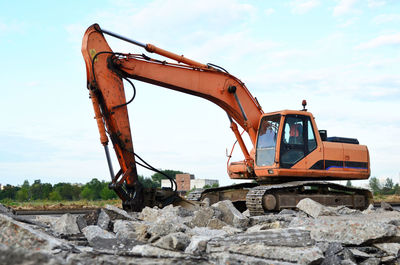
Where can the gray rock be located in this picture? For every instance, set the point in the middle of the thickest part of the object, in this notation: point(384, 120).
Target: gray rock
point(386, 206)
point(215, 223)
point(177, 211)
point(202, 217)
point(158, 230)
point(126, 229)
point(25, 256)
point(284, 220)
point(117, 213)
point(6, 210)
point(81, 222)
point(389, 248)
point(114, 244)
point(155, 252)
point(204, 231)
point(288, 212)
point(360, 254)
point(246, 213)
point(369, 210)
point(333, 249)
point(341, 210)
point(21, 235)
point(149, 214)
point(198, 244)
point(46, 219)
point(371, 261)
point(66, 225)
point(272, 237)
point(174, 241)
point(314, 208)
point(235, 259)
point(230, 214)
point(104, 220)
point(94, 232)
point(346, 229)
point(299, 255)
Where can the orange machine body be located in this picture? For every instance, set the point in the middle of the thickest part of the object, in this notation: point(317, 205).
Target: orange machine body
point(331, 159)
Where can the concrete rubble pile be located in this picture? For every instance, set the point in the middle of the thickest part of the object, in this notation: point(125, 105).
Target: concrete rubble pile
point(216, 234)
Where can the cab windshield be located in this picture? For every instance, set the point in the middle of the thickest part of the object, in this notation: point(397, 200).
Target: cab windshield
point(266, 141)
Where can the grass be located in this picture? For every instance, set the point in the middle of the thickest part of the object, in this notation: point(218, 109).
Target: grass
point(387, 198)
point(52, 205)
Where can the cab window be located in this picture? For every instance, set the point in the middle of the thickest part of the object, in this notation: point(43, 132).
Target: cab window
point(298, 140)
point(266, 140)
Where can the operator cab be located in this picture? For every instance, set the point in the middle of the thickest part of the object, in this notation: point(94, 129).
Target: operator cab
point(289, 132)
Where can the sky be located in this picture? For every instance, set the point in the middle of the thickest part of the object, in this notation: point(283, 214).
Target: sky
point(342, 56)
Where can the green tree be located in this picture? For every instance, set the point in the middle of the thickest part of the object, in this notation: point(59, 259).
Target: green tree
point(157, 177)
point(147, 182)
point(24, 193)
point(206, 186)
point(375, 185)
point(55, 196)
point(387, 188)
point(396, 189)
point(107, 194)
point(348, 184)
point(9, 192)
point(87, 193)
point(215, 185)
point(92, 189)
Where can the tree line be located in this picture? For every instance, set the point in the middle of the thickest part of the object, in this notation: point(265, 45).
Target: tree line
point(388, 188)
point(92, 190)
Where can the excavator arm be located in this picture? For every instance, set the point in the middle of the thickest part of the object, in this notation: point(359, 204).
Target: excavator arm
point(105, 73)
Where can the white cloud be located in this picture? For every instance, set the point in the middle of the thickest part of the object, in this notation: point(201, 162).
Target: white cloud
point(389, 39)
point(376, 3)
point(303, 6)
point(344, 7)
point(386, 18)
point(269, 11)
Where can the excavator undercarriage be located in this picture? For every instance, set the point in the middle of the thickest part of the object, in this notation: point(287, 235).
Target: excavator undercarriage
point(259, 199)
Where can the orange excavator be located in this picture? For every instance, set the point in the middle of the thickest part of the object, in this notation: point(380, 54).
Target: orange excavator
point(290, 158)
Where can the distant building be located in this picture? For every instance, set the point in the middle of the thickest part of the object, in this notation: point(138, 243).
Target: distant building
point(186, 182)
point(200, 183)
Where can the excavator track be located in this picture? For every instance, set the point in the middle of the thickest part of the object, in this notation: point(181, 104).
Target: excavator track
point(283, 196)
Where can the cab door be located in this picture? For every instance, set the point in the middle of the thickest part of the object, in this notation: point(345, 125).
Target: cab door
point(297, 141)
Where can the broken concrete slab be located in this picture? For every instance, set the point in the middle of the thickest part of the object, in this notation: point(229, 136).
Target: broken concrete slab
point(26, 256)
point(114, 244)
point(348, 230)
point(103, 220)
point(299, 255)
point(215, 223)
point(390, 248)
point(117, 213)
point(230, 214)
point(314, 208)
point(284, 220)
point(202, 216)
point(66, 225)
point(386, 206)
point(273, 237)
point(173, 241)
point(81, 222)
point(126, 229)
point(20, 235)
point(94, 232)
point(234, 258)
